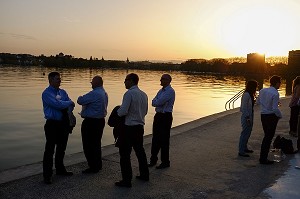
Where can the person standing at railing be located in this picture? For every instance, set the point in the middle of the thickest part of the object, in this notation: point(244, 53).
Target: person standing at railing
point(268, 99)
point(247, 103)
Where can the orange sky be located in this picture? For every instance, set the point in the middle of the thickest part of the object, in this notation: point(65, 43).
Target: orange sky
point(150, 30)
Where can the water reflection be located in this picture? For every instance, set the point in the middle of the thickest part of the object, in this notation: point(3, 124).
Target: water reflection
point(21, 120)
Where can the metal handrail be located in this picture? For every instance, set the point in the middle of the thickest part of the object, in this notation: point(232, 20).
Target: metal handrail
point(230, 102)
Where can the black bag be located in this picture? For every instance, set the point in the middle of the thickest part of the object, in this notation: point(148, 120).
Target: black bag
point(118, 123)
point(286, 145)
point(69, 120)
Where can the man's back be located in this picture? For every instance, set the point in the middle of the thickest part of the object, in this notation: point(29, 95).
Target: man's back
point(134, 106)
point(268, 99)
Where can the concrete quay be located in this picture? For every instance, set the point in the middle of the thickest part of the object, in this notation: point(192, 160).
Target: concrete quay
point(204, 164)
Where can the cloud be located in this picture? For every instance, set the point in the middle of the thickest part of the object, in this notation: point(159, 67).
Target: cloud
point(18, 36)
point(69, 20)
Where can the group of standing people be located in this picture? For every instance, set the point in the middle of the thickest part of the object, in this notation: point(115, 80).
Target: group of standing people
point(58, 109)
point(268, 99)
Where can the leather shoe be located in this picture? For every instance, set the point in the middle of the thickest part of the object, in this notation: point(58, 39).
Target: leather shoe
point(162, 166)
point(123, 183)
point(151, 164)
point(144, 178)
point(244, 155)
point(48, 180)
point(89, 170)
point(266, 161)
point(64, 173)
point(249, 151)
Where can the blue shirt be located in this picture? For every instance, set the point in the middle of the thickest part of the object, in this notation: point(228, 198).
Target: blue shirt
point(164, 100)
point(134, 106)
point(54, 101)
point(94, 103)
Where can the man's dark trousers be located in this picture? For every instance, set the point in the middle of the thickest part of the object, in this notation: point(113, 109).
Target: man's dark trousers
point(269, 123)
point(161, 137)
point(133, 138)
point(56, 135)
point(91, 134)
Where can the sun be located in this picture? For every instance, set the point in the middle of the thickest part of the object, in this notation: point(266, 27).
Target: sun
point(263, 28)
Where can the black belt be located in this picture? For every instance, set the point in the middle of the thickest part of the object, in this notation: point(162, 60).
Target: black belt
point(91, 118)
point(164, 113)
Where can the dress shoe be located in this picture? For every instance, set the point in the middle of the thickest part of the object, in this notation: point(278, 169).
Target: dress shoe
point(248, 151)
point(244, 155)
point(144, 178)
point(266, 161)
point(64, 173)
point(48, 180)
point(123, 183)
point(89, 170)
point(162, 166)
point(151, 164)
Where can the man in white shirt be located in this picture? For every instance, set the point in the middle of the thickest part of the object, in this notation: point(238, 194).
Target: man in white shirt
point(134, 107)
point(268, 100)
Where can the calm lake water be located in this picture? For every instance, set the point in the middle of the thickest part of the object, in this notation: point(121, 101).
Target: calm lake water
point(21, 121)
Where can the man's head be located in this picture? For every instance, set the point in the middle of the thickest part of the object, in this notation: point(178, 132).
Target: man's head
point(131, 79)
point(97, 82)
point(275, 81)
point(165, 80)
point(54, 79)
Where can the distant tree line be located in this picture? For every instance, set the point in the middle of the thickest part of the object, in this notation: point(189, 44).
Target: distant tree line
point(218, 65)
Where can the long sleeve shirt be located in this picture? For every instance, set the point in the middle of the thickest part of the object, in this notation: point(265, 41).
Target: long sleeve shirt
point(134, 106)
point(246, 106)
point(268, 100)
point(54, 101)
point(94, 103)
point(164, 100)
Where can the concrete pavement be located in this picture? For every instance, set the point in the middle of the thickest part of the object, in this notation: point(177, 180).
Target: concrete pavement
point(204, 164)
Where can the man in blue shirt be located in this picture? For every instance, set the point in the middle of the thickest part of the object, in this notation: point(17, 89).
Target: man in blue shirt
point(55, 103)
point(94, 110)
point(163, 103)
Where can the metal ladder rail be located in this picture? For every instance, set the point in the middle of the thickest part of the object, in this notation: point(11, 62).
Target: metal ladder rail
point(233, 99)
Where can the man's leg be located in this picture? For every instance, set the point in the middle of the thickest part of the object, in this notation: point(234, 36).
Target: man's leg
point(61, 144)
point(165, 146)
point(155, 147)
point(49, 150)
point(138, 140)
point(125, 153)
point(269, 123)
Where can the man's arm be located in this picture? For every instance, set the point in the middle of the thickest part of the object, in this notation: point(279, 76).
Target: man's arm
point(123, 110)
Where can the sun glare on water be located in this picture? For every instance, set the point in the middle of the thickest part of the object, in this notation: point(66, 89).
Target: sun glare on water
point(268, 29)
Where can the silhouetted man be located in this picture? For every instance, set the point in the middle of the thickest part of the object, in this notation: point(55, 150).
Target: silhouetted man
point(134, 107)
point(163, 103)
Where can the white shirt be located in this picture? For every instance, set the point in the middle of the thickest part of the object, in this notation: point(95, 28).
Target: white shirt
point(268, 100)
point(134, 107)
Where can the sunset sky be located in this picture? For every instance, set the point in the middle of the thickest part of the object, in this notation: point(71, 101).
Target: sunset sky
point(150, 30)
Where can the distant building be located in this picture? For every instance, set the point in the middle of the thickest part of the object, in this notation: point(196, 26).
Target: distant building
point(256, 63)
point(294, 61)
